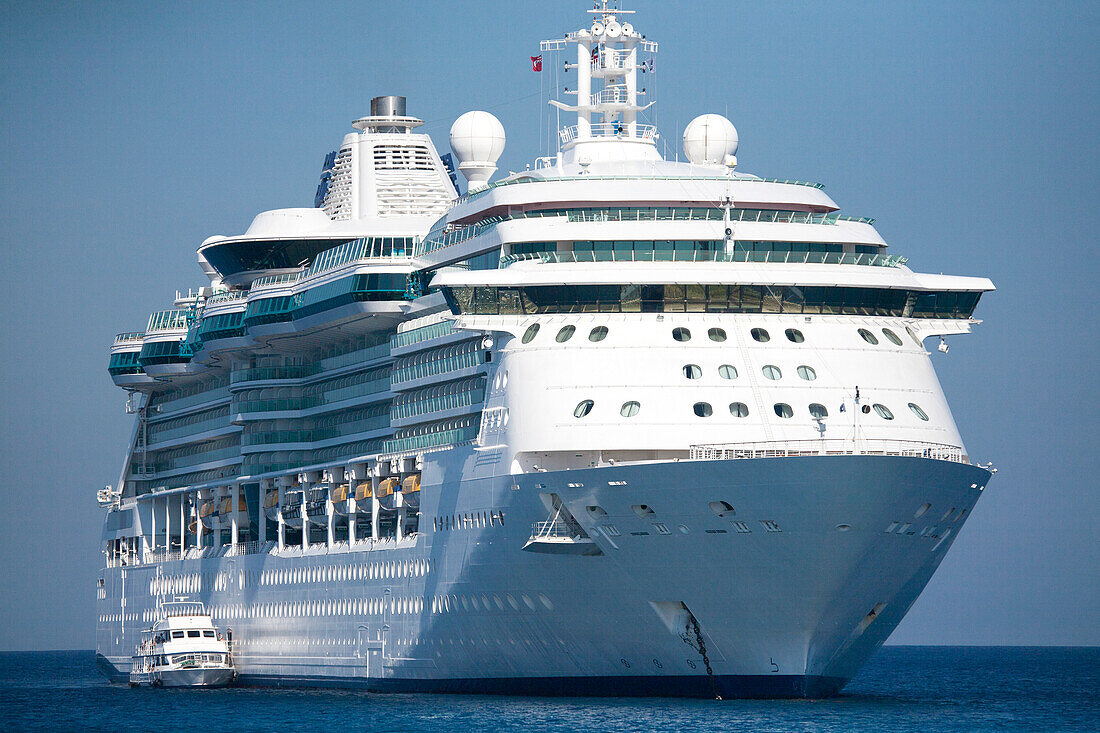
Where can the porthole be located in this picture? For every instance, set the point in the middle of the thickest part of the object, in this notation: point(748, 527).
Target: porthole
point(739, 409)
point(599, 333)
point(868, 337)
point(565, 334)
point(782, 409)
point(913, 335)
point(630, 409)
point(883, 411)
point(794, 335)
point(692, 371)
point(892, 336)
point(583, 408)
point(530, 333)
point(702, 409)
point(772, 372)
point(807, 373)
point(918, 412)
point(717, 334)
point(818, 411)
point(681, 334)
point(727, 371)
point(761, 335)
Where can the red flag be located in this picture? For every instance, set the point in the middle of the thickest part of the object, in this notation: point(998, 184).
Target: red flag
point(536, 63)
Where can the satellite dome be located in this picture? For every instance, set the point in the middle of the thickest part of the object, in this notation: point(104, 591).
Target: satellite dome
point(477, 140)
point(710, 139)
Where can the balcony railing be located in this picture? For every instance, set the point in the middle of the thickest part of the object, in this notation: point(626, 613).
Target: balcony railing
point(609, 129)
point(703, 255)
point(133, 337)
point(830, 447)
point(226, 297)
point(172, 320)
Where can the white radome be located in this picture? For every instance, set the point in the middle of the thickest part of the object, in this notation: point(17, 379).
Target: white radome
point(710, 139)
point(477, 140)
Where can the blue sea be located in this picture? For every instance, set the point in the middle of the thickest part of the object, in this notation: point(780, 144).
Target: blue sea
point(926, 689)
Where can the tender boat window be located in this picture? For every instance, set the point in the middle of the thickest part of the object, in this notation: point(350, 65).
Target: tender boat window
point(892, 336)
point(793, 334)
point(717, 334)
point(208, 634)
point(868, 337)
point(530, 333)
point(818, 411)
point(782, 409)
point(703, 409)
point(630, 409)
point(761, 335)
point(918, 412)
point(599, 333)
point(772, 372)
point(681, 334)
point(194, 634)
point(565, 334)
point(583, 408)
point(692, 371)
point(807, 373)
point(883, 412)
point(177, 634)
point(739, 409)
point(727, 371)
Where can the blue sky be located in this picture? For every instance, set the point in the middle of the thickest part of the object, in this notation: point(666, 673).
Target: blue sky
point(129, 132)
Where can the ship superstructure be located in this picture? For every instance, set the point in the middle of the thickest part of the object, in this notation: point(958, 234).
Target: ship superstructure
point(613, 424)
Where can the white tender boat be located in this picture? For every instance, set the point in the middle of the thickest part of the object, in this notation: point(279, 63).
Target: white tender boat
point(182, 649)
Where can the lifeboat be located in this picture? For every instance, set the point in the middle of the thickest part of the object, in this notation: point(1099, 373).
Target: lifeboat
point(208, 514)
point(227, 513)
point(292, 509)
point(410, 490)
point(315, 507)
point(386, 487)
point(362, 493)
point(340, 499)
point(271, 506)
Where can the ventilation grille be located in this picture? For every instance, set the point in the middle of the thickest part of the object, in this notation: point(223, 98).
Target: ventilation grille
point(338, 199)
point(408, 181)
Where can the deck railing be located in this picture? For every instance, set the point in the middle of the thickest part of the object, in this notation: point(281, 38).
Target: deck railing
point(830, 447)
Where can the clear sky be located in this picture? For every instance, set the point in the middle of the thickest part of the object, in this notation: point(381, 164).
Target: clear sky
point(129, 132)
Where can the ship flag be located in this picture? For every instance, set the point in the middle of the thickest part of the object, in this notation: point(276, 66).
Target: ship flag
point(536, 63)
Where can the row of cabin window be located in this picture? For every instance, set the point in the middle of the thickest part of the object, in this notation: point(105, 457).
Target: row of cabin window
point(740, 409)
point(599, 333)
point(728, 371)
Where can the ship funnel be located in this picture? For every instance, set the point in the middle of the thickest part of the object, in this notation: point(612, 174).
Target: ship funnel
point(389, 106)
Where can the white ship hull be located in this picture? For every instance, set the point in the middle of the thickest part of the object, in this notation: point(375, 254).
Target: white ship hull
point(783, 608)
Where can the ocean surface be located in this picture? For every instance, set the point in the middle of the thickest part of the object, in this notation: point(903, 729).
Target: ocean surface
point(926, 689)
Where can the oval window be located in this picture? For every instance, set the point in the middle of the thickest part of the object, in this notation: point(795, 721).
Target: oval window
point(913, 335)
point(599, 333)
point(883, 412)
point(681, 334)
point(630, 409)
point(727, 371)
point(868, 337)
point(807, 373)
point(703, 409)
point(692, 371)
point(918, 412)
point(530, 333)
point(782, 409)
point(761, 335)
point(583, 408)
point(818, 411)
point(739, 409)
point(565, 334)
point(717, 334)
point(794, 335)
point(772, 372)
point(892, 336)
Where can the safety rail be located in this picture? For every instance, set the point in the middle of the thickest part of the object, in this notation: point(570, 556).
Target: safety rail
point(609, 129)
point(171, 320)
point(554, 528)
point(829, 447)
point(703, 255)
point(268, 281)
point(133, 337)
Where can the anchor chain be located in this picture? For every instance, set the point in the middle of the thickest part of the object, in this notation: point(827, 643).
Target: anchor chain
point(702, 648)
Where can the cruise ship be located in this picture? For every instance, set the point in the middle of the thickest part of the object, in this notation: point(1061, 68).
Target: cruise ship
point(631, 421)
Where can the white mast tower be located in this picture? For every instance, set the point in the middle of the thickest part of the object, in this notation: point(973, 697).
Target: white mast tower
point(607, 51)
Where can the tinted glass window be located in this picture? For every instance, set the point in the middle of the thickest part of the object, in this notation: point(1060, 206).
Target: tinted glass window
point(681, 334)
point(918, 412)
point(583, 408)
point(772, 372)
point(892, 336)
point(599, 333)
point(727, 371)
point(717, 334)
point(782, 409)
point(530, 333)
point(761, 335)
point(565, 334)
point(818, 410)
point(692, 371)
point(807, 373)
point(194, 634)
point(703, 409)
point(793, 334)
point(884, 412)
point(868, 336)
point(208, 634)
point(739, 409)
point(630, 409)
